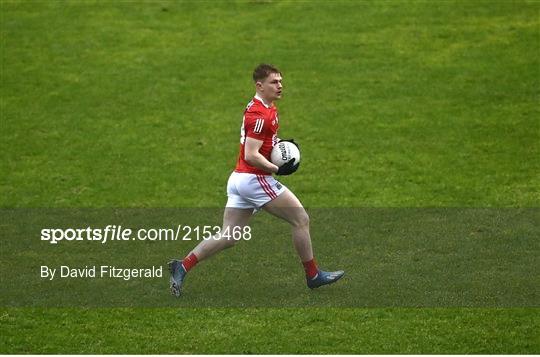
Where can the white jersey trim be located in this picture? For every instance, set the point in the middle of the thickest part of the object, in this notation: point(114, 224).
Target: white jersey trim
point(262, 101)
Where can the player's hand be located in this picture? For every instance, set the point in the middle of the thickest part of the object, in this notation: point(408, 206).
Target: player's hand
point(291, 141)
point(288, 168)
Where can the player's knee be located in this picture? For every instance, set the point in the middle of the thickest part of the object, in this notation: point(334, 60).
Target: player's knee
point(228, 237)
point(229, 242)
point(301, 219)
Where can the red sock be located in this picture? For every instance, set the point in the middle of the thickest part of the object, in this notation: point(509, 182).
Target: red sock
point(311, 268)
point(189, 262)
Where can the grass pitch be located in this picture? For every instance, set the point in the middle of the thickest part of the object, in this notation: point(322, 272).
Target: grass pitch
point(394, 104)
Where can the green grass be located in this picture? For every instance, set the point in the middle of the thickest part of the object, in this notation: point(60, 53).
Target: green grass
point(315, 331)
point(397, 104)
point(394, 104)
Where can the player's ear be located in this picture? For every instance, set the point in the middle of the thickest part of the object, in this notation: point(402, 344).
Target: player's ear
point(259, 85)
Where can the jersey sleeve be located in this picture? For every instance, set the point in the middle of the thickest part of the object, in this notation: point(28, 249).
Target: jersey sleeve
point(255, 125)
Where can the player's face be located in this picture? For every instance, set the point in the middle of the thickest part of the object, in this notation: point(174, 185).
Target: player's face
point(271, 87)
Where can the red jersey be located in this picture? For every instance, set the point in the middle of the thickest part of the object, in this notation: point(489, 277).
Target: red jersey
point(260, 122)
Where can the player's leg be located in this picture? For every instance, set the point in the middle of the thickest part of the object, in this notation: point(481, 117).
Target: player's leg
point(288, 207)
point(232, 217)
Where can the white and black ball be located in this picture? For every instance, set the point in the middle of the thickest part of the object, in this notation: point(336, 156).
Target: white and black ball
point(283, 152)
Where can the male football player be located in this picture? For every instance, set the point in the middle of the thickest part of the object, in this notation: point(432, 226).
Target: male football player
point(252, 187)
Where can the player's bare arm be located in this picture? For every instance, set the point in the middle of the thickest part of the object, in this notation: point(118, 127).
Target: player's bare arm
point(255, 158)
